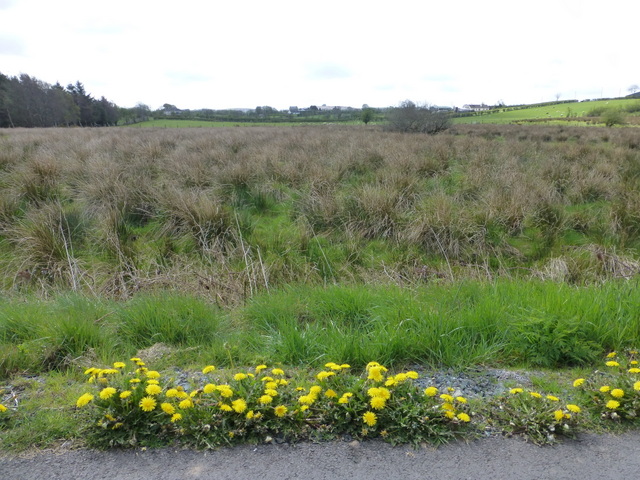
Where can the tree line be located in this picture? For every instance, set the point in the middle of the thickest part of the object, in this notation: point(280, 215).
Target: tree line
point(26, 101)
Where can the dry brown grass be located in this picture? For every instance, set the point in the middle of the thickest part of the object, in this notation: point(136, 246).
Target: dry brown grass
point(178, 207)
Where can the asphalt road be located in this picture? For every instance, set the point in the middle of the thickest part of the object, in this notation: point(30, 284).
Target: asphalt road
point(589, 457)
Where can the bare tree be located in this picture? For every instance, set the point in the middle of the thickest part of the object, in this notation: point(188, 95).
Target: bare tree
point(633, 89)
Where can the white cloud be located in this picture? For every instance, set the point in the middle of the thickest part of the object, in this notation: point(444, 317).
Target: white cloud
point(198, 53)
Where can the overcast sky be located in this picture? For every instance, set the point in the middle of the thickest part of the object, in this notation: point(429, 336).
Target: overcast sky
point(245, 53)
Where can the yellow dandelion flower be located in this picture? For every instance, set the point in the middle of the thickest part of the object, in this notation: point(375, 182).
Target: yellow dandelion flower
point(448, 406)
point(324, 375)
point(636, 386)
point(91, 371)
point(84, 399)
point(225, 390)
point(107, 393)
point(125, 394)
point(461, 399)
point(168, 408)
point(135, 359)
point(535, 394)
point(171, 393)
point(176, 417)
point(515, 391)
point(330, 394)
point(331, 365)
point(612, 404)
point(226, 408)
point(271, 392)
point(153, 374)
point(119, 365)
point(617, 393)
point(464, 417)
point(147, 404)
point(578, 382)
point(552, 398)
point(447, 398)
point(307, 399)
point(109, 371)
point(265, 399)
point(375, 374)
point(384, 393)
point(182, 394)
point(343, 400)
point(239, 376)
point(373, 392)
point(634, 370)
point(208, 388)
point(271, 385)
point(259, 368)
point(605, 388)
point(390, 382)
point(134, 380)
point(250, 413)
point(239, 405)
point(186, 403)
point(611, 355)
point(431, 391)
point(401, 377)
point(450, 414)
point(194, 393)
point(282, 381)
point(573, 408)
point(558, 415)
point(370, 418)
point(345, 365)
point(153, 389)
point(153, 381)
point(371, 365)
point(413, 375)
point(277, 371)
point(267, 379)
point(315, 390)
point(612, 363)
point(208, 369)
point(280, 411)
point(377, 403)
point(633, 362)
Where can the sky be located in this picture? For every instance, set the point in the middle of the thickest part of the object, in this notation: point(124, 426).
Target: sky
point(246, 53)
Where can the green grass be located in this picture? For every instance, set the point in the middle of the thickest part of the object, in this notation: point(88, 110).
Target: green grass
point(535, 324)
point(550, 112)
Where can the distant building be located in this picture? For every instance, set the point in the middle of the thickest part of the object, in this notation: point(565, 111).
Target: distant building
point(476, 108)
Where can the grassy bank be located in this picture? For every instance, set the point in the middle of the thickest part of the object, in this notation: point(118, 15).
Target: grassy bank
point(508, 323)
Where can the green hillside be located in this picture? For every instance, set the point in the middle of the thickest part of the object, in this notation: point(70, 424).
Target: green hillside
point(574, 112)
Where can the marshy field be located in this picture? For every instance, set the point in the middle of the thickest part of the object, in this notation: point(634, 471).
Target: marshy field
point(493, 245)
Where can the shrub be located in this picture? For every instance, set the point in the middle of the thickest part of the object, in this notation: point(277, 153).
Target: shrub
point(409, 117)
point(613, 117)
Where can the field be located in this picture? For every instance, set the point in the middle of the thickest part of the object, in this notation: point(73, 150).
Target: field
point(568, 113)
point(229, 218)
point(493, 245)
point(171, 123)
